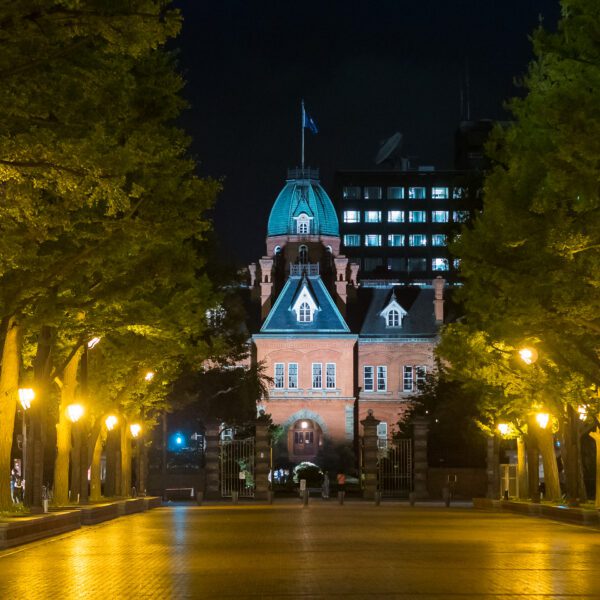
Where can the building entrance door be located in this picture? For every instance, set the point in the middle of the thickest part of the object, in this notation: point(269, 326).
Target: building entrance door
point(305, 439)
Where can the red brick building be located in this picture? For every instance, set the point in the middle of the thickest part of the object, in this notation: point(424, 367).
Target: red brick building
point(334, 349)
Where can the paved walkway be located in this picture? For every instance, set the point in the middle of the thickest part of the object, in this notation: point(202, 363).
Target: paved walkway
point(284, 551)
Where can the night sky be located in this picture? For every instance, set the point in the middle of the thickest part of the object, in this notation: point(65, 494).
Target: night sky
point(365, 70)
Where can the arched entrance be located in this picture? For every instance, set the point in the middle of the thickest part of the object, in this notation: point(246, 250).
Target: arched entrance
point(305, 439)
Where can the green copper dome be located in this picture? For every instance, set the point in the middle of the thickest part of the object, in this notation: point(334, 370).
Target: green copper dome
point(303, 195)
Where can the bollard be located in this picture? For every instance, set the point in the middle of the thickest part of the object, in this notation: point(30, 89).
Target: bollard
point(269, 496)
point(377, 498)
point(446, 496)
point(234, 497)
point(505, 497)
point(305, 498)
point(199, 498)
point(341, 497)
point(412, 497)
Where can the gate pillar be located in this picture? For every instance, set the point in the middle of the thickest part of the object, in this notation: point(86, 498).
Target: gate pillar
point(420, 429)
point(369, 455)
point(211, 463)
point(262, 460)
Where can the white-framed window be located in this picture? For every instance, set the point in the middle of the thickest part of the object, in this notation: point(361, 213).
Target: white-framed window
point(381, 378)
point(352, 216)
point(373, 193)
point(330, 376)
point(395, 216)
point(417, 216)
point(393, 318)
point(279, 376)
point(439, 216)
point(372, 216)
point(439, 193)
point(417, 193)
point(304, 313)
point(420, 374)
point(439, 264)
point(351, 192)
point(407, 379)
point(368, 378)
point(395, 193)
point(395, 239)
point(458, 193)
point(293, 376)
point(439, 239)
point(382, 430)
point(460, 216)
point(352, 239)
point(303, 224)
point(417, 239)
point(372, 239)
point(317, 376)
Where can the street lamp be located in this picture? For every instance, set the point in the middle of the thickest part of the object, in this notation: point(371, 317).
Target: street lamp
point(503, 428)
point(528, 355)
point(93, 342)
point(110, 422)
point(135, 429)
point(75, 412)
point(26, 395)
point(542, 419)
point(149, 376)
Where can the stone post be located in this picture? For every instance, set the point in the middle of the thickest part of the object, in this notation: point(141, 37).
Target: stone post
point(262, 459)
point(211, 462)
point(493, 468)
point(370, 455)
point(421, 465)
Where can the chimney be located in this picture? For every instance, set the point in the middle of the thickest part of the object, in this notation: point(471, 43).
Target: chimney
point(438, 301)
point(266, 284)
point(341, 283)
point(252, 272)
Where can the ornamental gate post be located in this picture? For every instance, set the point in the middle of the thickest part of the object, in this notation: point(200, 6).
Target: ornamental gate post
point(262, 459)
point(421, 465)
point(369, 465)
point(211, 463)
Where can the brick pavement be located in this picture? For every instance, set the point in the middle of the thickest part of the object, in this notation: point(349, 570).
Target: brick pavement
point(284, 551)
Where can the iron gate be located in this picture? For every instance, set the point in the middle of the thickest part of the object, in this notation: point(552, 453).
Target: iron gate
point(395, 467)
point(236, 459)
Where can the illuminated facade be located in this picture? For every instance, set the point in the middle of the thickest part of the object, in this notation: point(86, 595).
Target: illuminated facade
point(333, 349)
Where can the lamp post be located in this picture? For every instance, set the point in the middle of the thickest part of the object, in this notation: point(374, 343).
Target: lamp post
point(136, 429)
point(26, 395)
point(75, 412)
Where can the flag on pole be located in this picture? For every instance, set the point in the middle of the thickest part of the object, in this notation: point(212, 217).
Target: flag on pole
point(308, 122)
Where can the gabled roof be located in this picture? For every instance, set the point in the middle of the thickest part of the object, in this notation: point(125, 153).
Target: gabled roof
point(418, 303)
point(282, 319)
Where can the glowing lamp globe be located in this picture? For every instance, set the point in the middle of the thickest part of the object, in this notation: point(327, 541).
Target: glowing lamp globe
point(542, 419)
point(110, 422)
point(74, 412)
point(503, 428)
point(135, 429)
point(26, 395)
point(528, 355)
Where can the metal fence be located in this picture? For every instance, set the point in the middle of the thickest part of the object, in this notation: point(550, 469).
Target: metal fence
point(237, 467)
point(395, 467)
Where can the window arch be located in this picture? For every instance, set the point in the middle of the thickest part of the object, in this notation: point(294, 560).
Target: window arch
point(305, 313)
point(393, 318)
point(303, 224)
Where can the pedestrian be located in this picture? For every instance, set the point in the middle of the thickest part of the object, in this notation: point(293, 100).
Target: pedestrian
point(341, 481)
point(18, 489)
point(325, 487)
point(13, 477)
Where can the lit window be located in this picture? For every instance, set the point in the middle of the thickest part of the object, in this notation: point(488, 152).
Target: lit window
point(381, 379)
point(417, 193)
point(417, 216)
point(439, 193)
point(330, 376)
point(293, 376)
point(417, 239)
point(407, 379)
point(395, 239)
point(372, 240)
point(458, 193)
point(439, 216)
point(372, 216)
point(438, 239)
point(304, 313)
point(352, 240)
point(373, 193)
point(460, 216)
point(351, 216)
point(417, 264)
point(303, 224)
point(382, 430)
point(439, 264)
point(395, 193)
point(317, 375)
point(368, 382)
point(456, 263)
point(420, 375)
point(279, 375)
point(351, 193)
point(393, 318)
point(395, 216)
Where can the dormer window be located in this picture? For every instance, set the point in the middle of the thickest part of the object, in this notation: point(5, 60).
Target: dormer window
point(304, 313)
point(393, 318)
point(303, 224)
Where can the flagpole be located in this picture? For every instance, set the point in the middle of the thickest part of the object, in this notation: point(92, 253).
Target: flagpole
point(302, 128)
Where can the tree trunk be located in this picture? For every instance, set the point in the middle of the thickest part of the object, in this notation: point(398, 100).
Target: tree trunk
point(595, 435)
point(9, 391)
point(522, 479)
point(545, 440)
point(95, 475)
point(125, 459)
point(533, 465)
point(110, 488)
point(63, 431)
point(75, 481)
point(143, 464)
point(571, 457)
